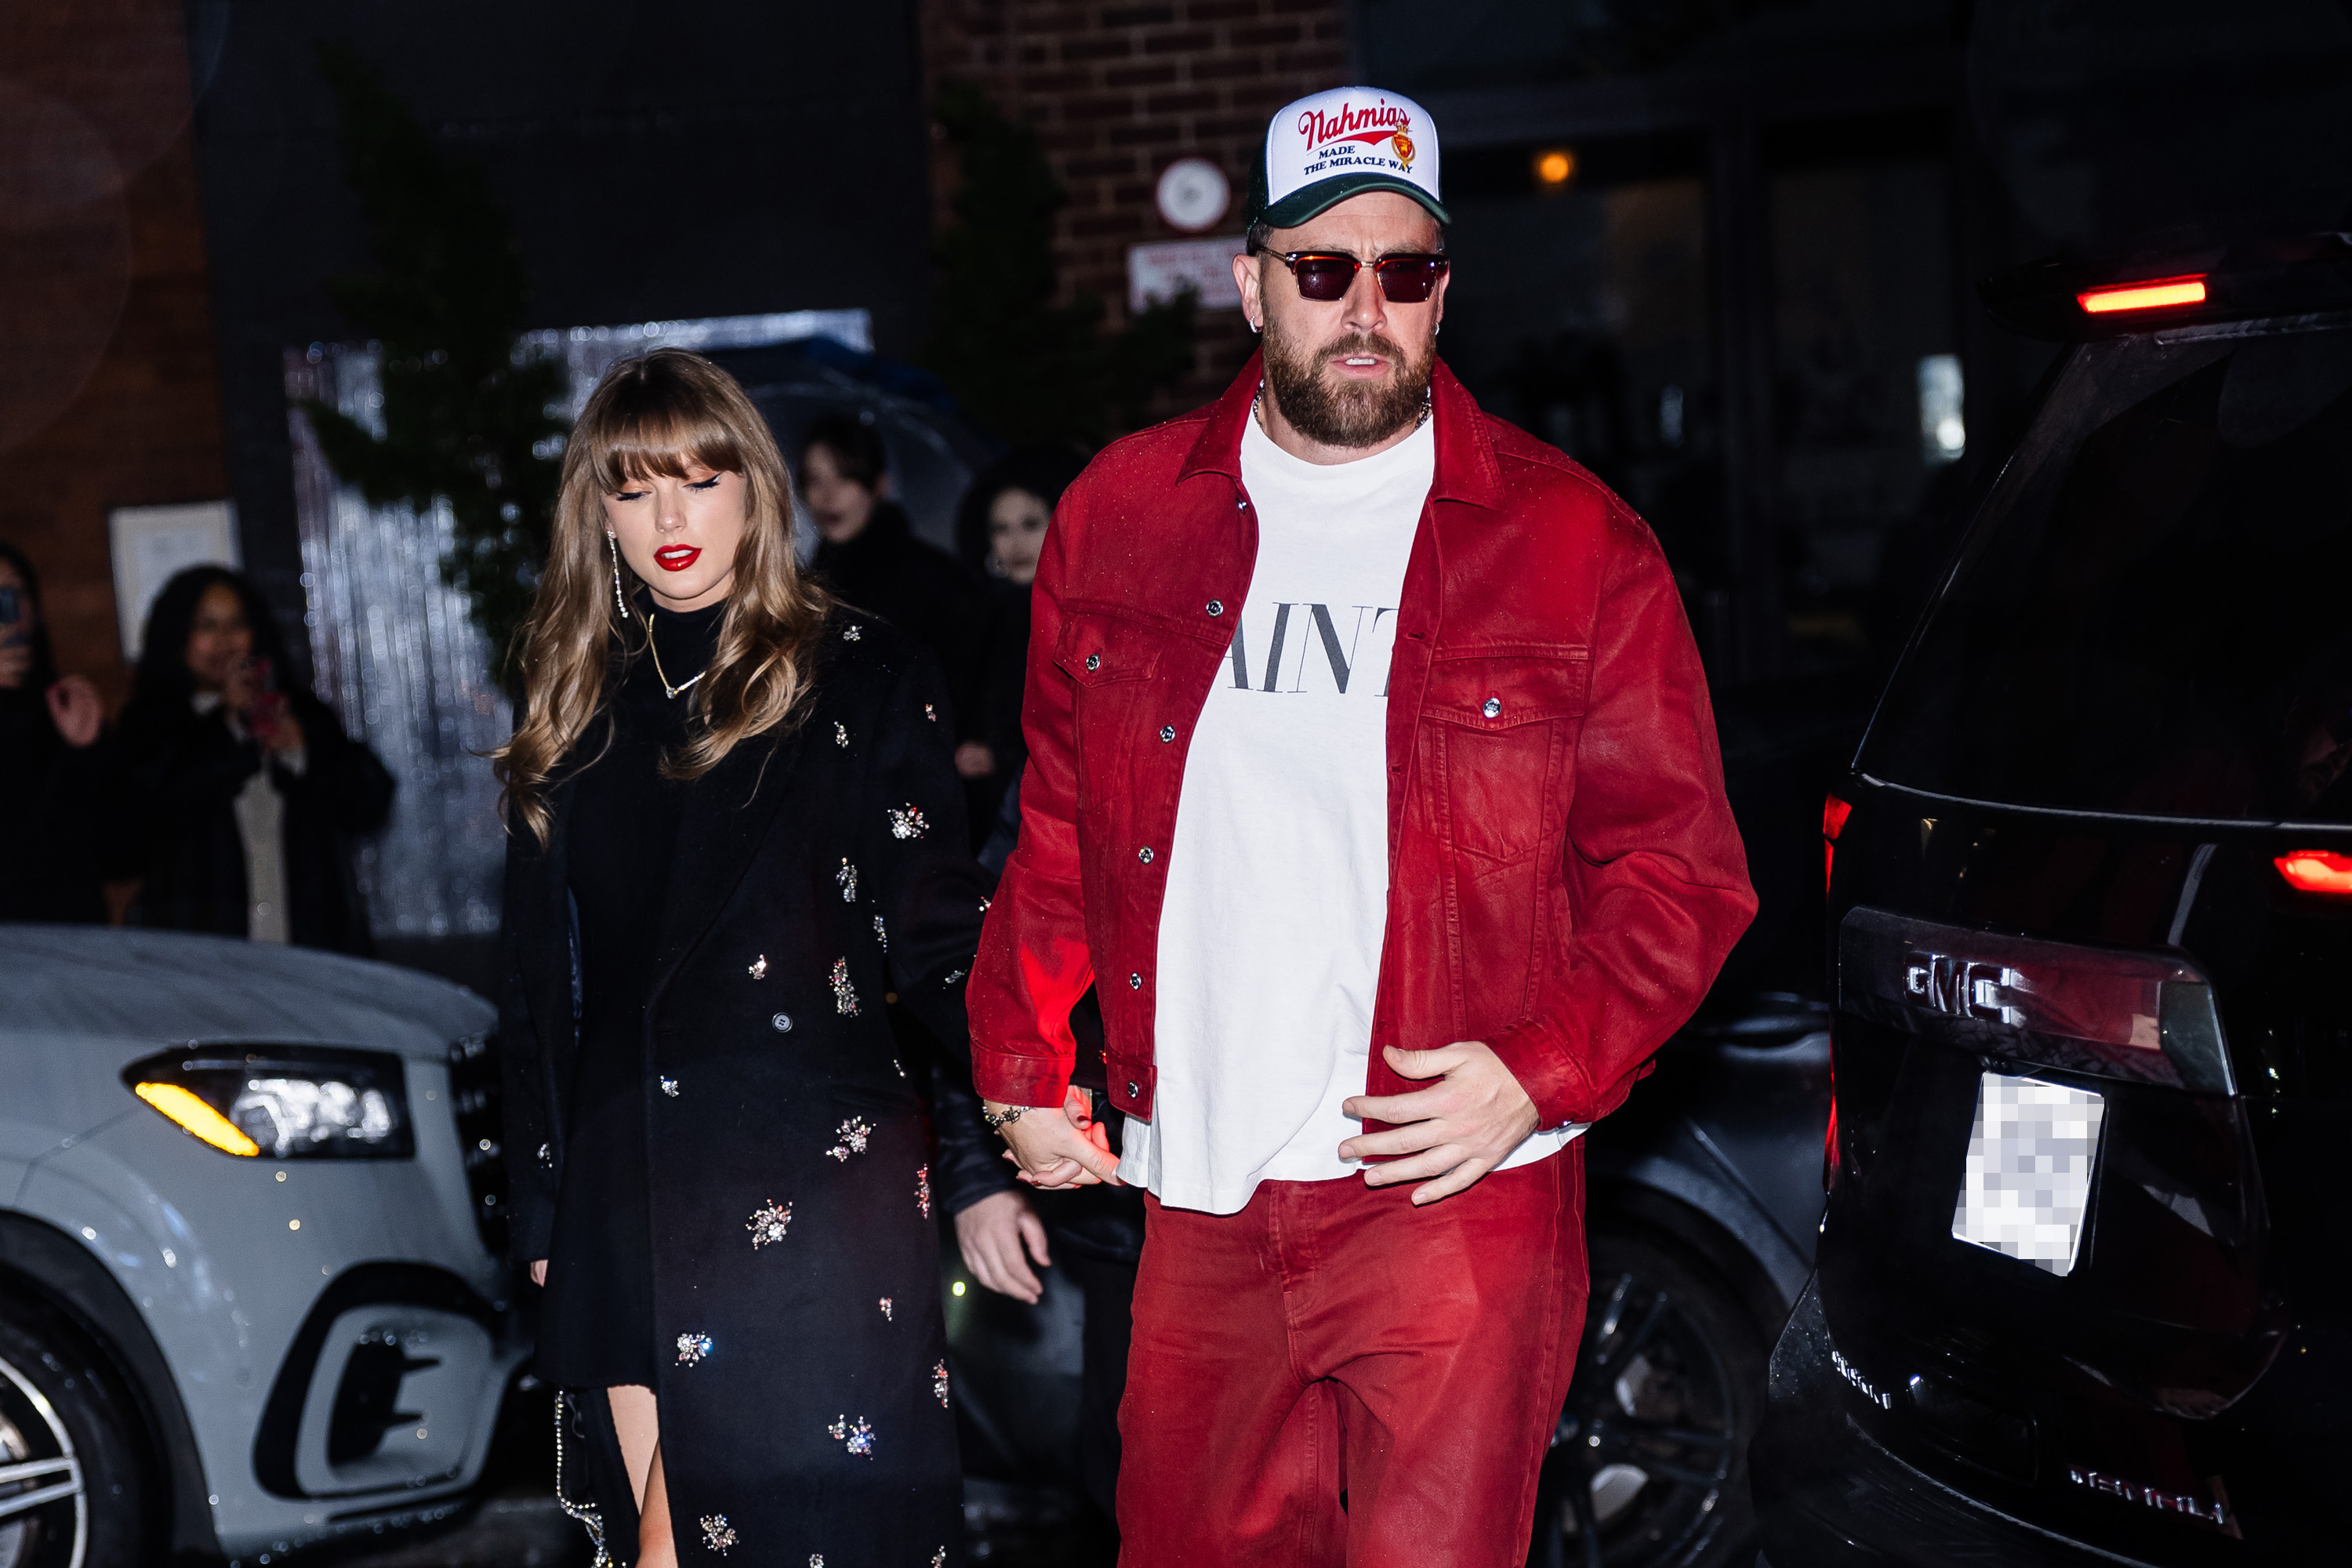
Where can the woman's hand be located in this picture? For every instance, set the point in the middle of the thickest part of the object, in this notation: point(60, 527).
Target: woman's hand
point(1059, 1145)
point(992, 1233)
point(74, 709)
point(538, 1272)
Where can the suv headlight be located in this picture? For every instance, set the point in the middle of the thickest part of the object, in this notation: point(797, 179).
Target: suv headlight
point(311, 1102)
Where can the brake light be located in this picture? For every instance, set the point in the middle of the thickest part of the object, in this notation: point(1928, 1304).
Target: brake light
point(2152, 296)
point(1834, 815)
point(2321, 872)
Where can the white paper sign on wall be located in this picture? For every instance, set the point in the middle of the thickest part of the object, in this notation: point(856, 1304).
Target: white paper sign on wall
point(1156, 272)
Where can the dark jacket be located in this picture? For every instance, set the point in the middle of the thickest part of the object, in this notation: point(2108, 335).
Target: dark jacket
point(1564, 874)
point(816, 873)
point(180, 775)
point(920, 589)
point(52, 799)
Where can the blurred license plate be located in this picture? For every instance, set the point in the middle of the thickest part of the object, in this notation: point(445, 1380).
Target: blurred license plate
point(2026, 1188)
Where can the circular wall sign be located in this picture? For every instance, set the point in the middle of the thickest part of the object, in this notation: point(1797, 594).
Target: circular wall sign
point(1193, 194)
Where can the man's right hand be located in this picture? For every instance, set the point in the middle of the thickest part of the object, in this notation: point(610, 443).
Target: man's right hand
point(1059, 1145)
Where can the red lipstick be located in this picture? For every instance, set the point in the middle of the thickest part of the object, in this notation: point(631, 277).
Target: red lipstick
point(676, 557)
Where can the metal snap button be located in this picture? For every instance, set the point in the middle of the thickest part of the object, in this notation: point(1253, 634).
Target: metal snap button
point(1135, 983)
point(1094, 661)
point(1134, 1090)
point(1144, 853)
point(1241, 505)
point(1167, 733)
point(783, 1023)
point(1494, 708)
point(1216, 606)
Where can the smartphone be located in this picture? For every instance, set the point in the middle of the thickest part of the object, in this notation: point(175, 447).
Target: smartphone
point(268, 703)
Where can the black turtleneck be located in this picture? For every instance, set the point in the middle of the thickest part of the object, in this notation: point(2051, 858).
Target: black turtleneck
point(596, 1323)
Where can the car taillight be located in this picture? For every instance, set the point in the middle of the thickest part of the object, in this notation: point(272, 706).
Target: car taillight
point(2154, 295)
point(1834, 815)
point(2321, 872)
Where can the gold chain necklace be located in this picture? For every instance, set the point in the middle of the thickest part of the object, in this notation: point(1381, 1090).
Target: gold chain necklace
point(667, 689)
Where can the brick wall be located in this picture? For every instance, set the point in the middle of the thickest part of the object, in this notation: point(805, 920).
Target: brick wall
point(109, 394)
point(1118, 92)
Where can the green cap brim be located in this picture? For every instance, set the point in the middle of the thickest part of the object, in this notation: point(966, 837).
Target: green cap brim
point(1308, 201)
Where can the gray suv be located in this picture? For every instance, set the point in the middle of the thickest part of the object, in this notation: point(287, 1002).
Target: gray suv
point(250, 1290)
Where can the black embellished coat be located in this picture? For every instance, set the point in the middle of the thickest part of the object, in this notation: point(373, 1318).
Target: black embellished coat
point(803, 1384)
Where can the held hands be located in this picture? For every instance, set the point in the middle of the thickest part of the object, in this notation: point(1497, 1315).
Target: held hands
point(1059, 1146)
point(1456, 1129)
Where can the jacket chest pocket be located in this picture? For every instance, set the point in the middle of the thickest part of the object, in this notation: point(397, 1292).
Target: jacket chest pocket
point(1108, 657)
point(1497, 731)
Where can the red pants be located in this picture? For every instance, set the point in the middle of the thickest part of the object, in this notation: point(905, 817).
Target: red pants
point(1332, 1378)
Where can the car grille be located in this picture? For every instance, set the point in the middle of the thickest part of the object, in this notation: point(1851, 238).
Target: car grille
point(474, 1093)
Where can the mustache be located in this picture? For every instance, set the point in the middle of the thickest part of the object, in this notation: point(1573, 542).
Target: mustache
point(1365, 344)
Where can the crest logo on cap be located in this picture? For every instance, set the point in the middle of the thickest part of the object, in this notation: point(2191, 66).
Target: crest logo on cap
point(1404, 145)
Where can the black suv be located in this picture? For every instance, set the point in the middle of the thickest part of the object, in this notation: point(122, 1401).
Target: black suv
point(2084, 1289)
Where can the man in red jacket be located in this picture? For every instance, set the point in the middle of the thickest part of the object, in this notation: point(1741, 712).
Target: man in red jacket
point(1372, 778)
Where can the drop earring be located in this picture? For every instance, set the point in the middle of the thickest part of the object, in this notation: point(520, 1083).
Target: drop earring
point(613, 543)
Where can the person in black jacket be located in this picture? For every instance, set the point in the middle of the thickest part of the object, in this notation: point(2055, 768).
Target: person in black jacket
point(868, 556)
point(1001, 533)
point(735, 833)
point(54, 762)
point(241, 794)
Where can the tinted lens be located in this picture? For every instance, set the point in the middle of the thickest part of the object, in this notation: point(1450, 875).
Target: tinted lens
point(1407, 279)
point(1325, 277)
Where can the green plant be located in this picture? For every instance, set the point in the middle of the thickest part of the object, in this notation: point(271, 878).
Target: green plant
point(467, 413)
point(1023, 366)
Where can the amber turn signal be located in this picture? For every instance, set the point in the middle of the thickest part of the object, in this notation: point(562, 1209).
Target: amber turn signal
point(191, 1113)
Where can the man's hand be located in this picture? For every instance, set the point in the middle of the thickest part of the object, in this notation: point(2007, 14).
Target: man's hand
point(992, 1235)
point(538, 1272)
point(74, 709)
point(1059, 1146)
point(1456, 1129)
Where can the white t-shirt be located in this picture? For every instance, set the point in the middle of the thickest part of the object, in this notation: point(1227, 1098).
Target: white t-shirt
point(1277, 889)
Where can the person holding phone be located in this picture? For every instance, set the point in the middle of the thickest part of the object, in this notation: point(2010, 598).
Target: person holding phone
point(241, 796)
point(54, 752)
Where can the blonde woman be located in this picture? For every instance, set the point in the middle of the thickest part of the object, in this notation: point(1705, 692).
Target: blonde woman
point(734, 825)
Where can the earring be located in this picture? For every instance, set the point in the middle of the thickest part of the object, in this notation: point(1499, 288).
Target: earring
point(613, 543)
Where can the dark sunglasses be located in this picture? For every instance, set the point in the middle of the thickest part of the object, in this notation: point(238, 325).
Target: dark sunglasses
point(1405, 279)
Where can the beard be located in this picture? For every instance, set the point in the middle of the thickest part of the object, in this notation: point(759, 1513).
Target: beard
point(1346, 413)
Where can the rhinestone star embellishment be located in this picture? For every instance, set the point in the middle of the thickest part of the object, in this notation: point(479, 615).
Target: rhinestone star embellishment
point(907, 822)
point(857, 1436)
point(886, 1310)
point(845, 994)
point(840, 734)
point(923, 1191)
point(717, 1536)
point(847, 880)
point(851, 634)
point(758, 970)
point(768, 1224)
point(939, 1383)
point(881, 933)
point(853, 1135)
point(692, 1348)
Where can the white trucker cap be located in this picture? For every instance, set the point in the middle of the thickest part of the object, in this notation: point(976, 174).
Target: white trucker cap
point(1329, 146)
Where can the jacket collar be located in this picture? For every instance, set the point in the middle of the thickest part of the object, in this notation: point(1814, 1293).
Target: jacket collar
point(1467, 470)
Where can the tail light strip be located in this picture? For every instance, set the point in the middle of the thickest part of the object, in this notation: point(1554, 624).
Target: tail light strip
point(2141, 1017)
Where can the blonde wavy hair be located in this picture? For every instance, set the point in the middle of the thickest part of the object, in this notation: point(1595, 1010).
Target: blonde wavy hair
point(660, 413)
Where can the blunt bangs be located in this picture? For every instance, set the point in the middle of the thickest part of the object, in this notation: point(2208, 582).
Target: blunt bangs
point(650, 434)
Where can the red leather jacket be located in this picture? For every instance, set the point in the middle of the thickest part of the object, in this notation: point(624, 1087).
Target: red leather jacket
point(1564, 875)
